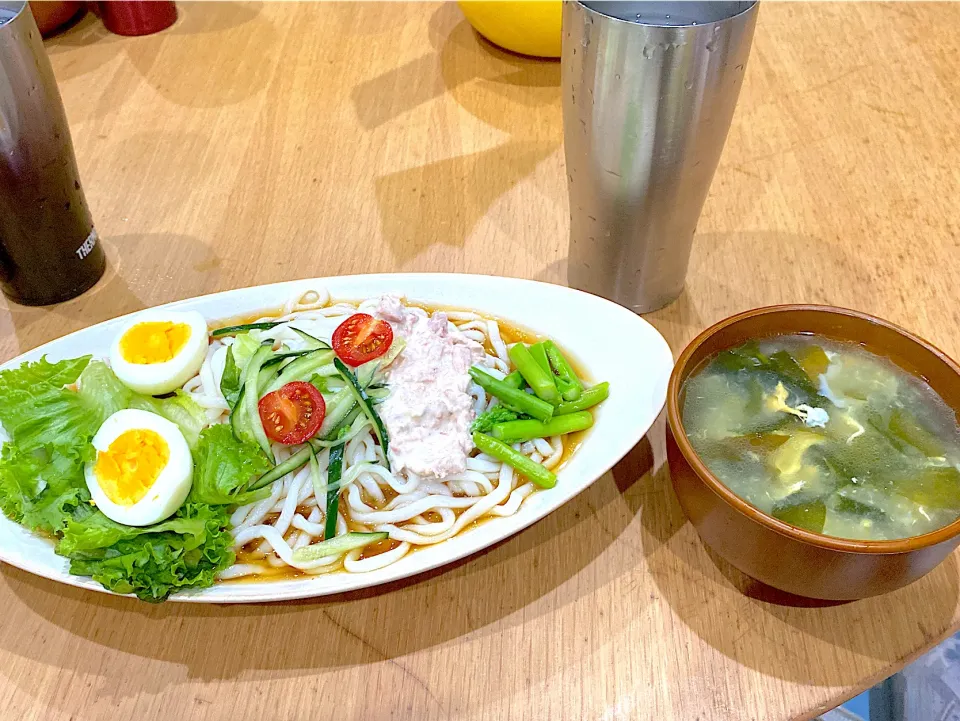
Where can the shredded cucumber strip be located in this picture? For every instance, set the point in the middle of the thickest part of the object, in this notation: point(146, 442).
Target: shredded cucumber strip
point(251, 398)
point(367, 406)
point(337, 546)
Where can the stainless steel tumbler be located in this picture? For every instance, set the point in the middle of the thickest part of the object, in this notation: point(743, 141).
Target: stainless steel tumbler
point(649, 89)
point(49, 250)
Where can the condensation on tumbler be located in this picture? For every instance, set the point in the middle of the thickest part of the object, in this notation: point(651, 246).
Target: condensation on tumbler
point(649, 90)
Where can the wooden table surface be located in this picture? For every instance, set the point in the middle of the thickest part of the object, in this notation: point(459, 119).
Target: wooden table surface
point(257, 143)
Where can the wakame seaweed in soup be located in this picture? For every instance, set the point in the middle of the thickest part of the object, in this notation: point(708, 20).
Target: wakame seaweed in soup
point(827, 436)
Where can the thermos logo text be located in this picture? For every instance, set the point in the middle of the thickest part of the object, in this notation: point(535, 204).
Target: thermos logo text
point(84, 250)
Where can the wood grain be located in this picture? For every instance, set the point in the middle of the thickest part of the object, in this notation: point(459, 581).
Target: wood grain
point(256, 143)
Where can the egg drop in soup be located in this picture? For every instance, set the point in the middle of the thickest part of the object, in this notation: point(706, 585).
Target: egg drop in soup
point(827, 436)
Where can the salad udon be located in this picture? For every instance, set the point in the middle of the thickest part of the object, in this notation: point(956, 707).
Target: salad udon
point(327, 436)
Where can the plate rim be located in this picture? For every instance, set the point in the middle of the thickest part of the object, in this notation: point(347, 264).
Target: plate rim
point(303, 588)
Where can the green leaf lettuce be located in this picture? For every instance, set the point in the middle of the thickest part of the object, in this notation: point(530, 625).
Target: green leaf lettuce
point(223, 466)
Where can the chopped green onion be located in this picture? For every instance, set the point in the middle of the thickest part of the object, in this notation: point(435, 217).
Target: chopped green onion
point(540, 380)
point(589, 398)
point(537, 473)
point(526, 430)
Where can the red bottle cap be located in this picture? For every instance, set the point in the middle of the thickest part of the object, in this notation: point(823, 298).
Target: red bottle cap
point(137, 17)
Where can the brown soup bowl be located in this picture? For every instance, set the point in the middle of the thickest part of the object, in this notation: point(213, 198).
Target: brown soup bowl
point(778, 554)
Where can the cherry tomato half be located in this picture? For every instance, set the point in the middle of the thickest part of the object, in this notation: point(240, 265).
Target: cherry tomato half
point(292, 414)
point(361, 338)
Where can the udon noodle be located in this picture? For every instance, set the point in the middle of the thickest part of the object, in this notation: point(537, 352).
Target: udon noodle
point(414, 511)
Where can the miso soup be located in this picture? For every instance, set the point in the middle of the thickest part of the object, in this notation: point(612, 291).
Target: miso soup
point(827, 436)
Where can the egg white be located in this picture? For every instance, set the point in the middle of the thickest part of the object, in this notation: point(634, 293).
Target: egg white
point(158, 378)
point(173, 483)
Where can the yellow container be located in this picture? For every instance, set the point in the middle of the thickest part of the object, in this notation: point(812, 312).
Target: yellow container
point(528, 27)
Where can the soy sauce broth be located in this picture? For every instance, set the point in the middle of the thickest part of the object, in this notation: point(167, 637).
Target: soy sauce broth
point(827, 436)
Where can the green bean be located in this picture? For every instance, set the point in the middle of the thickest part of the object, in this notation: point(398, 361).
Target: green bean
point(535, 472)
point(527, 430)
point(539, 379)
point(514, 380)
point(566, 378)
point(539, 353)
point(589, 398)
point(514, 399)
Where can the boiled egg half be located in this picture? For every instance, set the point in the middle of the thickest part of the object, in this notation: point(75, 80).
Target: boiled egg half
point(143, 468)
point(160, 351)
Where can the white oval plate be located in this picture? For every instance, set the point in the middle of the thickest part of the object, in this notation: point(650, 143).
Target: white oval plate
point(610, 342)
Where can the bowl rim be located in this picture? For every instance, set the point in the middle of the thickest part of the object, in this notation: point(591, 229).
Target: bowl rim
point(680, 370)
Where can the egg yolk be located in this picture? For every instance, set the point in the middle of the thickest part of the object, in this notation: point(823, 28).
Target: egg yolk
point(131, 464)
point(154, 342)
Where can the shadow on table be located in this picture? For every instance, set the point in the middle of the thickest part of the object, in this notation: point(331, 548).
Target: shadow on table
point(159, 57)
point(90, 45)
point(757, 626)
point(442, 200)
point(419, 208)
point(724, 273)
point(181, 267)
point(110, 297)
point(507, 585)
point(493, 85)
point(555, 272)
